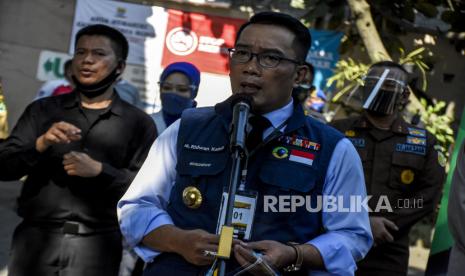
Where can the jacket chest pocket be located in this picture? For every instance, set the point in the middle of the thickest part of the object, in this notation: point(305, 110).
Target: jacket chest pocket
point(283, 184)
point(201, 163)
point(287, 177)
point(404, 172)
point(204, 171)
point(196, 196)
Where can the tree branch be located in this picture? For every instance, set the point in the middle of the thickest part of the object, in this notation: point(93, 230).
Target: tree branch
point(367, 30)
point(371, 39)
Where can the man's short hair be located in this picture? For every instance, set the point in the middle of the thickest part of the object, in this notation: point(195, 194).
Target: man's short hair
point(302, 41)
point(119, 42)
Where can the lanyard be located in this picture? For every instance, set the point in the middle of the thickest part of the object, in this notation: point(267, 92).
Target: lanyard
point(275, 134)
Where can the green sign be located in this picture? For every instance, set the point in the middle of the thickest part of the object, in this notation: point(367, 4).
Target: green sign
point(50, 65)
point(54, 66)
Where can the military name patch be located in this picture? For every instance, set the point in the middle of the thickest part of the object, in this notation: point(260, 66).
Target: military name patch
point(417, 132)
point(357, 142)
point(299, 142)
point(280, 152)
point(416, 140)
point(421, 150)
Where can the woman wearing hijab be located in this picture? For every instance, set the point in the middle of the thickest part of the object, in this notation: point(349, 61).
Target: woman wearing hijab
point(179, 84)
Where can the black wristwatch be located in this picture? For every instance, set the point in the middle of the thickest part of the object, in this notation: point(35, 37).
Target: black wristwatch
point(299, 259)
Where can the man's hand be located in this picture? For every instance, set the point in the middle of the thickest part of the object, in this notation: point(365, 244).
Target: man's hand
point(193, 243)
point(80, 164)
point(58, 133)
point(382, 229)
point(276, 254)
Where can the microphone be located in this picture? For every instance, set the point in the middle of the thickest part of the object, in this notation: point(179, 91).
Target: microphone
point(241, 108)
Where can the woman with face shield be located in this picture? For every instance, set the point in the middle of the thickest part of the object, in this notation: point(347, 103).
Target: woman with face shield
point(179, 84)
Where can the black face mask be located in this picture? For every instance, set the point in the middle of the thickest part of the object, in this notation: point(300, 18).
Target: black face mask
point(96, 89)
point(384, 103)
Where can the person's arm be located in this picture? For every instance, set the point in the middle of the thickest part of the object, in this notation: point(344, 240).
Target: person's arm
point(142, 208)
point(456, 208)
point(142, 214)
point(277, 255)
point(18, 153)
point(190, 244)
point(347, 236)
point(430, 181)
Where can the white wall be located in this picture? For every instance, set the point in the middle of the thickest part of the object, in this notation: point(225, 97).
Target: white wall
point(26, 28)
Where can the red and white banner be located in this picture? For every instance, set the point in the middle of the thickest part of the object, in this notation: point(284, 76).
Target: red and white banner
point(200, 39)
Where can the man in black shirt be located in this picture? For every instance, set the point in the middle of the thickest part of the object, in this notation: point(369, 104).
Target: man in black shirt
point(80, 152)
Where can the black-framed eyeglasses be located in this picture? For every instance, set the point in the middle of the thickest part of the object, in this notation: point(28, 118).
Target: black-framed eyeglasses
point(266, 60)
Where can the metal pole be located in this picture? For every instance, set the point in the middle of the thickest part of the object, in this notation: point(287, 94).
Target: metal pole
point(234, 180)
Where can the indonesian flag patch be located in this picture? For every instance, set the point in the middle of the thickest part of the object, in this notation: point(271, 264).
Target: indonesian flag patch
point(302, 157)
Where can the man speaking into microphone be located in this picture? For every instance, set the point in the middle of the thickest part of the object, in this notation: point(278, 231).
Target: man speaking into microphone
point(173, 208)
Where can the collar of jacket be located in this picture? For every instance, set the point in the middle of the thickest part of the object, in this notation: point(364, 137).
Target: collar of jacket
point(296, 120)
point(398, 126)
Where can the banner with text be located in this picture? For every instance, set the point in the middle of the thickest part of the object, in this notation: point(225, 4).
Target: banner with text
point(323, 55)
point(143, 26)
point(200, 39)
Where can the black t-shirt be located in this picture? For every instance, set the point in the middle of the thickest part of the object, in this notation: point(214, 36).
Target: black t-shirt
point(92, 114)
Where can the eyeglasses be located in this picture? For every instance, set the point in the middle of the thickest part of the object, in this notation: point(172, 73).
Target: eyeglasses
point(265, 60)
point(166, 86)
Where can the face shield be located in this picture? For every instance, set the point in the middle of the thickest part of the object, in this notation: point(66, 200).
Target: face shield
point(382, 92)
